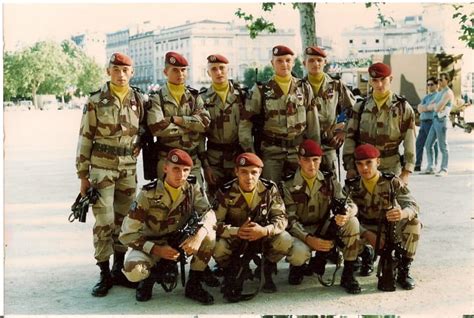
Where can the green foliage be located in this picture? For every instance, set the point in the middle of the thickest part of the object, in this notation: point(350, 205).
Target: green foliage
point(298, 69)
point(466, 23)
point(263, 76)
point(257, 25)
point(49, 68)
point(384, 21)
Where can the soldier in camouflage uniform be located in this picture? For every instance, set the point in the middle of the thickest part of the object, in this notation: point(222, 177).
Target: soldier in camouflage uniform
point(373, 190)
point(223, 99)
point(158, 212)
point(307, 197)
point(106, 159)
point(333, 100)
point(384, 120)
point(177, 116)
point(289, 117)
point(249, 209)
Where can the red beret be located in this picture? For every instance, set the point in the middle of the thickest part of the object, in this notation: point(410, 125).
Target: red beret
point(280, 50)
point(315, 50)
point(179, 157)
point(378, 70)
point(217, 58)
point(120, 59)
point(175, 59)
point(248, 159)
point(366, 151)
point(310, 148)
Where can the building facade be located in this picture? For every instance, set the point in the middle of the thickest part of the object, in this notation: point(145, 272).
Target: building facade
point(93, 44)
point(117, 42)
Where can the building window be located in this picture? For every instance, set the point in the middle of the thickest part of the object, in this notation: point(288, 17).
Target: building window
point(351, 41)
point(377, 41)
point(364, 42)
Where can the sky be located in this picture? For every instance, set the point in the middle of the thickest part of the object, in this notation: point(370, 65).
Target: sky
point(25, 23)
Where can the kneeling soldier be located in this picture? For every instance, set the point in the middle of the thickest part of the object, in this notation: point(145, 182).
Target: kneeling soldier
point(161, 209)
point(308, 196)
point(377, 193)
point(250, 209)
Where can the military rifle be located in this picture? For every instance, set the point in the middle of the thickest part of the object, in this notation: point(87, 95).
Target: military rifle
point(149, 148)
point(329, 230)
point(80, 207)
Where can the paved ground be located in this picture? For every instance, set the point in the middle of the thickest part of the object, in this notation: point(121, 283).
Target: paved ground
point(49, 266)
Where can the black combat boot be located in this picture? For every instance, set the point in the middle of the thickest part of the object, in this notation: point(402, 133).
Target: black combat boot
point(145, 287)
point(209, 279)
point(230, 291)
point(295, 277)
point(403, 275)
point(268, 269)
point(367, 265)
point(105, 282)
point(194, 289)
point(348, 280)
point(118, 278)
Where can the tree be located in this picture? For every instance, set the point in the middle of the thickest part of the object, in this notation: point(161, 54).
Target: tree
point(263, 76)
point(298, 69)
point(466, 24)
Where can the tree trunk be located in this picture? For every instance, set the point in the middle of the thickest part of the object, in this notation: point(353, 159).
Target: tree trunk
point(307, 24)
point(33, 95)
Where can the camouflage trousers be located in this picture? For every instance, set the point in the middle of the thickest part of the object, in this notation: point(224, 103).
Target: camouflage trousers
point(222, 165)
point(137, 264)
point(407, 231)
point(300, 252)
point(278, 161)
point(275, 248)
point(117, 192)
point(195, 171)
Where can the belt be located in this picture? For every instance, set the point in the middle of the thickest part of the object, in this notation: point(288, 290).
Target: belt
point(167, 149)
point(389, 153)
point(232, 147)
point(282, 142)
point(112, 150)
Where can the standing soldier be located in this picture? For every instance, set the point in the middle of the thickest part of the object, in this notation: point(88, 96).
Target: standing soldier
point(288, 115)
point(223, 99)
point(384, 120)
point(372, 194)
point(249, 209)
point(177, 116)
point(308, 196)
point(162, 207)
point(106, 159)
point(332, 99)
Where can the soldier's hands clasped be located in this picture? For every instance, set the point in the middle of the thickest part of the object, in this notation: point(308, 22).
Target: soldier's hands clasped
point(251, 231)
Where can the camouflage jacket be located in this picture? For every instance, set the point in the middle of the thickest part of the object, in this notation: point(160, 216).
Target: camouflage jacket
point(370, 206)
point(332, 99)
point(307, 207)
point(225, 118)
point(285, 116)
point(105, 121)
point(196, 119)
point(385, 129)
point(232, 210)
point(154, 215)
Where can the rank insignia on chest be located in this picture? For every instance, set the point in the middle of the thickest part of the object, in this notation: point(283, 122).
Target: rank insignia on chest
point(208, 100)
point(298, 187)
point(299, 96)
point(134, 108)
point(330, 93)
point(104, 101)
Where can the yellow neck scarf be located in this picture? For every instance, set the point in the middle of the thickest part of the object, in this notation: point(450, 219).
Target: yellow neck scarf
point(284, 83)
point(177, 91)
point(175, 193)
point(370, 184)
point(381, 98)
point(309, 180)
point(119, 91)
point(316, 81)
point(221, 90)
point(248, 196)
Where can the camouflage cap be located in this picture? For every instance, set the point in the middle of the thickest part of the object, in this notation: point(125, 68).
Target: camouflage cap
point(366, 151)
point(217, 58)
point(315, 50)
point(175, 59)
point(248, 159)
point(179, 157)
point(379, 70)
point(120, 59)
point(310, 148)
point(280, 50)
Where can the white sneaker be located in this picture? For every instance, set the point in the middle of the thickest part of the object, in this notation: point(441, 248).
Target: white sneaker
point(442, 173)
point(430, 171)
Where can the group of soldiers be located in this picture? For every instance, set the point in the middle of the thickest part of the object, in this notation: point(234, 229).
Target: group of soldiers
point(257, 167)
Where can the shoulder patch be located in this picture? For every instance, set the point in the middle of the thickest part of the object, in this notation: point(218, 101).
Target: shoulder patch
point(203, 90)
point(388, 175)
point(326, 174)
point(193, 91)
point(94, 92)
point(136, 89)
point(226, 186)
point(150, 185)
point(353, 183)
point(192, 179)
point(288, 176)
point(268, 183)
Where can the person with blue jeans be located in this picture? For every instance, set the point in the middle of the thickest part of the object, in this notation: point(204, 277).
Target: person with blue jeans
point(426, 120)
point(441, 106)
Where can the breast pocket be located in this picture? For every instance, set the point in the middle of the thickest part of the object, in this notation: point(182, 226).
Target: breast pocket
point(106, 114)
